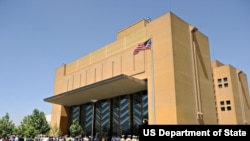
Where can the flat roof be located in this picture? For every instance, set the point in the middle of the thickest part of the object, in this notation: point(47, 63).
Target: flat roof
point(108, 88)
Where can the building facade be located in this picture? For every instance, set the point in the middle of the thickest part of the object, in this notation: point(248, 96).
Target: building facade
point(232, 94)
point(111, 91)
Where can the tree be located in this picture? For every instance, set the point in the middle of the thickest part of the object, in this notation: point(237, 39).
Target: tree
point(75, 129)
point(55, 131)
point(34, 124)
point(7, 127)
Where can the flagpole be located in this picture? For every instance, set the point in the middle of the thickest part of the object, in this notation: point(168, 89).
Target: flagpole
point(144, 46)
point(153, 82)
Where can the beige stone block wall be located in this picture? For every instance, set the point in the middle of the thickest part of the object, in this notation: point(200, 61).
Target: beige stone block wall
point(176, 102)
point(173, 99)
point(164, 88)
point(111, 60)
point(237, 92)
point(223, 94)
point(245, 98)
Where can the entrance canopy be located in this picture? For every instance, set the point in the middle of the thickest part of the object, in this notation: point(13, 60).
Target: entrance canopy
point(108, 88)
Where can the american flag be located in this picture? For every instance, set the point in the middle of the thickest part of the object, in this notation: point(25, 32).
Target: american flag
point(143, 46)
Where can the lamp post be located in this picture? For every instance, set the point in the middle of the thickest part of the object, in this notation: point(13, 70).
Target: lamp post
point(93, 118)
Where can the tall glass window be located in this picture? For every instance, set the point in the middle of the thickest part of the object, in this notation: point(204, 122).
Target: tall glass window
point(102, 120)
point(145, 105)
point(137, 112)
point(140, 110)
point(124, 114)
point(75, 115)
point(116, 116)
point(120, 115)
point(86, 118)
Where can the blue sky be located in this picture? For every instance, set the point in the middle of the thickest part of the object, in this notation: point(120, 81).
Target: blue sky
point(37, 36)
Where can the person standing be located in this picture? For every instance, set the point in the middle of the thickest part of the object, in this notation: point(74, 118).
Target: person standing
point(20, 138)
point(123, 138)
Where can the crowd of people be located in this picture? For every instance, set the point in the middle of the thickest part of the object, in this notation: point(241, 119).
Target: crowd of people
point(69, 138)
point(87, 138)
point(14, 138)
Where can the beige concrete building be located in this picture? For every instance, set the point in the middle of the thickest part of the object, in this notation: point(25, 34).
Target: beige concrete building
point(111, 90)
point(232, 94)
